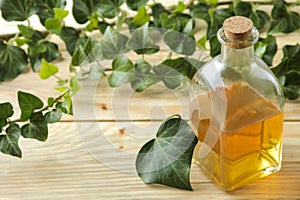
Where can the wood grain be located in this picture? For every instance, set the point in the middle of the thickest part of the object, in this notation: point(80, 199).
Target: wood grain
point(91, 155)
point(63, 168)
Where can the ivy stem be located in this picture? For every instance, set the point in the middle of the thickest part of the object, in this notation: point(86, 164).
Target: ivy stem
point(28, 22)
point(41, 110)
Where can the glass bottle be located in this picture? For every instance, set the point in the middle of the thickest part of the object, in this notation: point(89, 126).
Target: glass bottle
point(236, 109)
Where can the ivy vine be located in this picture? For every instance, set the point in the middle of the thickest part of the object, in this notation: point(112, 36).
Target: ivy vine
point(177, 23)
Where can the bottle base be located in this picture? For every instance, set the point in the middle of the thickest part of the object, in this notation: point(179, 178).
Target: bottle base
point(233, 175)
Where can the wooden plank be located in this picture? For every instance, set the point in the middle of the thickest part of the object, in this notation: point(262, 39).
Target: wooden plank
point(155, 103)
point(63, 168)
point(121, 103)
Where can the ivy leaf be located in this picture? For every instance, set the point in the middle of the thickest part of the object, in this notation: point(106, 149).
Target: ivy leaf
point(6, 111)
point(13, 61)
point(74, 85)
point(180, 7)
point(141, 17)
point(167, 158)
point(170, 77)
point(284, 21)
point(49, 52)
point(215, 46)
point(28, 103)
point(113, 44)
point(95, 72)
point(66, 106)
point(37, 128)
point(47, 70)
point(242, 8)
point(292, 53)
point(157, 9)
point(70, 36)
point(135, 5)
point(60, 13)
point(288, 70)
point(9, 143)
point(141, 42)
point(200, 11)
point(46, 8)
point(109, 8)
point(50, 102)
point(217, 18)
point(21, 41)
point(177, 22)
point(267, 47)
point(53, 116)
point(123, 72)
point(183, 65)
point(143, 77)
point(92, 49)
point(26, 31)
point(53, 25)
point(17, 10)
point(181, 43)
point(102, 26)
point(201, 43)
point(79, 57)
point(82, 9)
point(259, 18)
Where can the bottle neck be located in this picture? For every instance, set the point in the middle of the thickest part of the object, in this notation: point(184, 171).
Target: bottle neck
point(237, 57)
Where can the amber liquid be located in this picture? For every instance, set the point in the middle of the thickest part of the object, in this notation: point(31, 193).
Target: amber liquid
point(249, 145)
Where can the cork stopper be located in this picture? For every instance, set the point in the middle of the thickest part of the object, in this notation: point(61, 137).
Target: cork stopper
point(237, 28)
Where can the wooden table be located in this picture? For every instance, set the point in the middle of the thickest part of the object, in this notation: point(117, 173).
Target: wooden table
point(74, 164)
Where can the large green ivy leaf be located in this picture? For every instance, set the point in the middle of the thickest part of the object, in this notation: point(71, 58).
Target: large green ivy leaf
point(170, 77)
point(181, 42)
point(284, 20)
point(13, 60)
point(37, 128)
point(135, 5)
point(143, 77)
point(46, 8)
point(167, 158)
point(113, 44)
point(17, 10)
point(123, 72)
point(9, 143)
point(42, 50)
point(185, 66)
point(28, 103)
point(141, 42)
point(70, 36)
